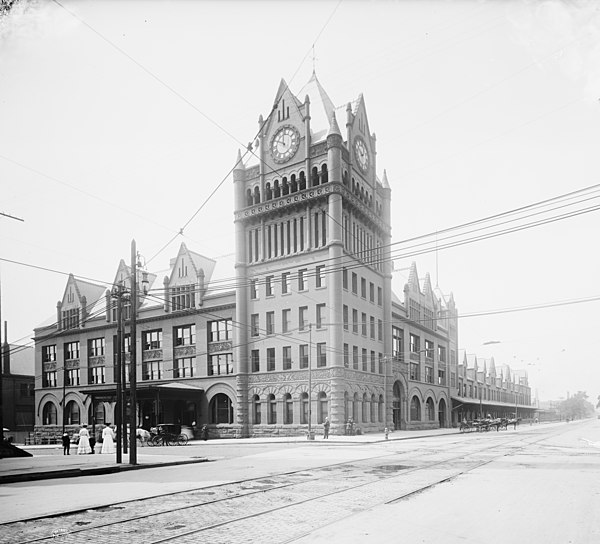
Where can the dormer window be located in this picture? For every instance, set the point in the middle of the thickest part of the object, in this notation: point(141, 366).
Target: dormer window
point(183, 297)
point(70, 319)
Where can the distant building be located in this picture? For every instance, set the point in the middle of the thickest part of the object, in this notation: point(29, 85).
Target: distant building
point(18, 403)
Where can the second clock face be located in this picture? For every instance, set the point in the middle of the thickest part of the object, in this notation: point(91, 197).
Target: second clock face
point(285, 143)
point(361, 154)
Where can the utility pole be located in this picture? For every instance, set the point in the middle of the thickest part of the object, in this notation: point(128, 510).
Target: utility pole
point(310, 436)
point(119, 404)
point(1, 372)
point(132, 365)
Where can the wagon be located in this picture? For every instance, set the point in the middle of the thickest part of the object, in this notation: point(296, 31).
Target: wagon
point(167, 434)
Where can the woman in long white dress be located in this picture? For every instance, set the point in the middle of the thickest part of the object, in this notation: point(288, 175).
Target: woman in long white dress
point(108, 444)
point(84, 441)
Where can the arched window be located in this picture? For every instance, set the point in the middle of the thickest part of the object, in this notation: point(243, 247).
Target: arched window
point(98, 416)
point(285, 188)
point(381, 409)
point(271, 410)
point(49, 414)
point(256, 410)
point(256, 195)
point(288, 409)
point(429, 408)
point(314, 177)
point(72, 413)
point(268, 192)
point(276, 189)
point(324, 174)
point(304, 408)
point(415, 409)
point(345, 178)
point(302, 183)
point(373, 405)
point(293, 184)
point(220, 409)
point(346, 406)
point(355, 407)
point(322, 407)
point(249, 197)
point(365, 408)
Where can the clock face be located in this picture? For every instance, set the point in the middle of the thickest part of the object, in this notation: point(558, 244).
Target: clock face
point(361, 154)
point(285, 143)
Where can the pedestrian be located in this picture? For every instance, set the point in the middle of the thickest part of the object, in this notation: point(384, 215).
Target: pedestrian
point(84, 441)
point(108, 444)
point(326, 428)
point(348, 427)
point(204, 432)
point(66, 442)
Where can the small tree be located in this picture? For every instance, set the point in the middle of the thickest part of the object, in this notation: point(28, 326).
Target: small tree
point(577, 406)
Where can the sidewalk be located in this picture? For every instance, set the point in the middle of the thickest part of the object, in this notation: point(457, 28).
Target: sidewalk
point(49, 463)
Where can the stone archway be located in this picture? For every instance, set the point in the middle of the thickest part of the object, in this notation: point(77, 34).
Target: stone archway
point(442, 409)
point(397, 397)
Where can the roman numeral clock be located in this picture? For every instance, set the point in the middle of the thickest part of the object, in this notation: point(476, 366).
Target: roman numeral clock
point(284, 143)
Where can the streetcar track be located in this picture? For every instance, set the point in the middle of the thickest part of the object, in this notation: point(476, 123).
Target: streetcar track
point(269, 488)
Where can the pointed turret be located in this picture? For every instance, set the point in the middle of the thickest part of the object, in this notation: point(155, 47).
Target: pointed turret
point(384, 182)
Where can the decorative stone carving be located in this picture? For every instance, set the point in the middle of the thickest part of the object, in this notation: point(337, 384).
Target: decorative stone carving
point(220, 346)
point(72, 363)
point(152, 354)
point(184, 351)
point(49, 367)
point(95, 361)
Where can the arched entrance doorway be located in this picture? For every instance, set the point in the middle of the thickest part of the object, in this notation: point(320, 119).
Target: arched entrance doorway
point(397, 406)
point(442, 413)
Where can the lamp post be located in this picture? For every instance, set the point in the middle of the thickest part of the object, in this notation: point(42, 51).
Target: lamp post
point(310, 435)
point(132, 365)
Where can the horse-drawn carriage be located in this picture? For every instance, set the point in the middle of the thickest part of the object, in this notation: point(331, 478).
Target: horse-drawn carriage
point(486, 424)
point(165, 434)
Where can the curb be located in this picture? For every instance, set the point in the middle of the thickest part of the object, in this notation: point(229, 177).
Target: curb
point(95, 471)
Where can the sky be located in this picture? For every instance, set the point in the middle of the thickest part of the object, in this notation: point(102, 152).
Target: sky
point(122, 120)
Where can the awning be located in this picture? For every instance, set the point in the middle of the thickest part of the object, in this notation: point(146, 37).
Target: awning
point(144, 390)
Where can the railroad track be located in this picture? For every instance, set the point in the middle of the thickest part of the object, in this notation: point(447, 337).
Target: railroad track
point(298, 501)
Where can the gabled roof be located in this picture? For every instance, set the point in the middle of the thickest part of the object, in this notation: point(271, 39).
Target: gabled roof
point(322, 109)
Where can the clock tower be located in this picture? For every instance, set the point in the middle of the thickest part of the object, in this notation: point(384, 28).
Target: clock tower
point(313, 273)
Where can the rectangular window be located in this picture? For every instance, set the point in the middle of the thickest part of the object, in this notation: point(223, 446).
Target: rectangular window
point(49, 354)
point(373, 362)
point(398, 343)
point(320, 316)
point(363, 287)
point(441, 354)
point(73, 376)
point(49, 379)
point(372, 327)
point(183, 297)
point(96, 375)
point(302, 311)
point(363, 324)
point(415, 344)
point(380, 296)
point(319, 279)
point(365, 362)
point(269, 286)
point(285, 283)
point(429, 350)
point(255, 355)
point(151, 340)
point(270, 322)
point(254, 325)
point(285, 320)
point(270, 359)
point(345, 278)
point(379, 330)
point(303, 352)
point(152, 370)
point(355, 321)
point(287, 357)
point(95, 347)
point(345, 316)
point(429, 374)
point(346, 356)
point(253, 290)
point(414, 372)
point(220, 331)
point(220, 365)
point(70, 319)
point(184, 367)
point(355, 357)
point(72, 349)
point(321, 354)
point(185, 335)
point(441, 377)
point(302, 279)
point(371, 292)
point(354, 283)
